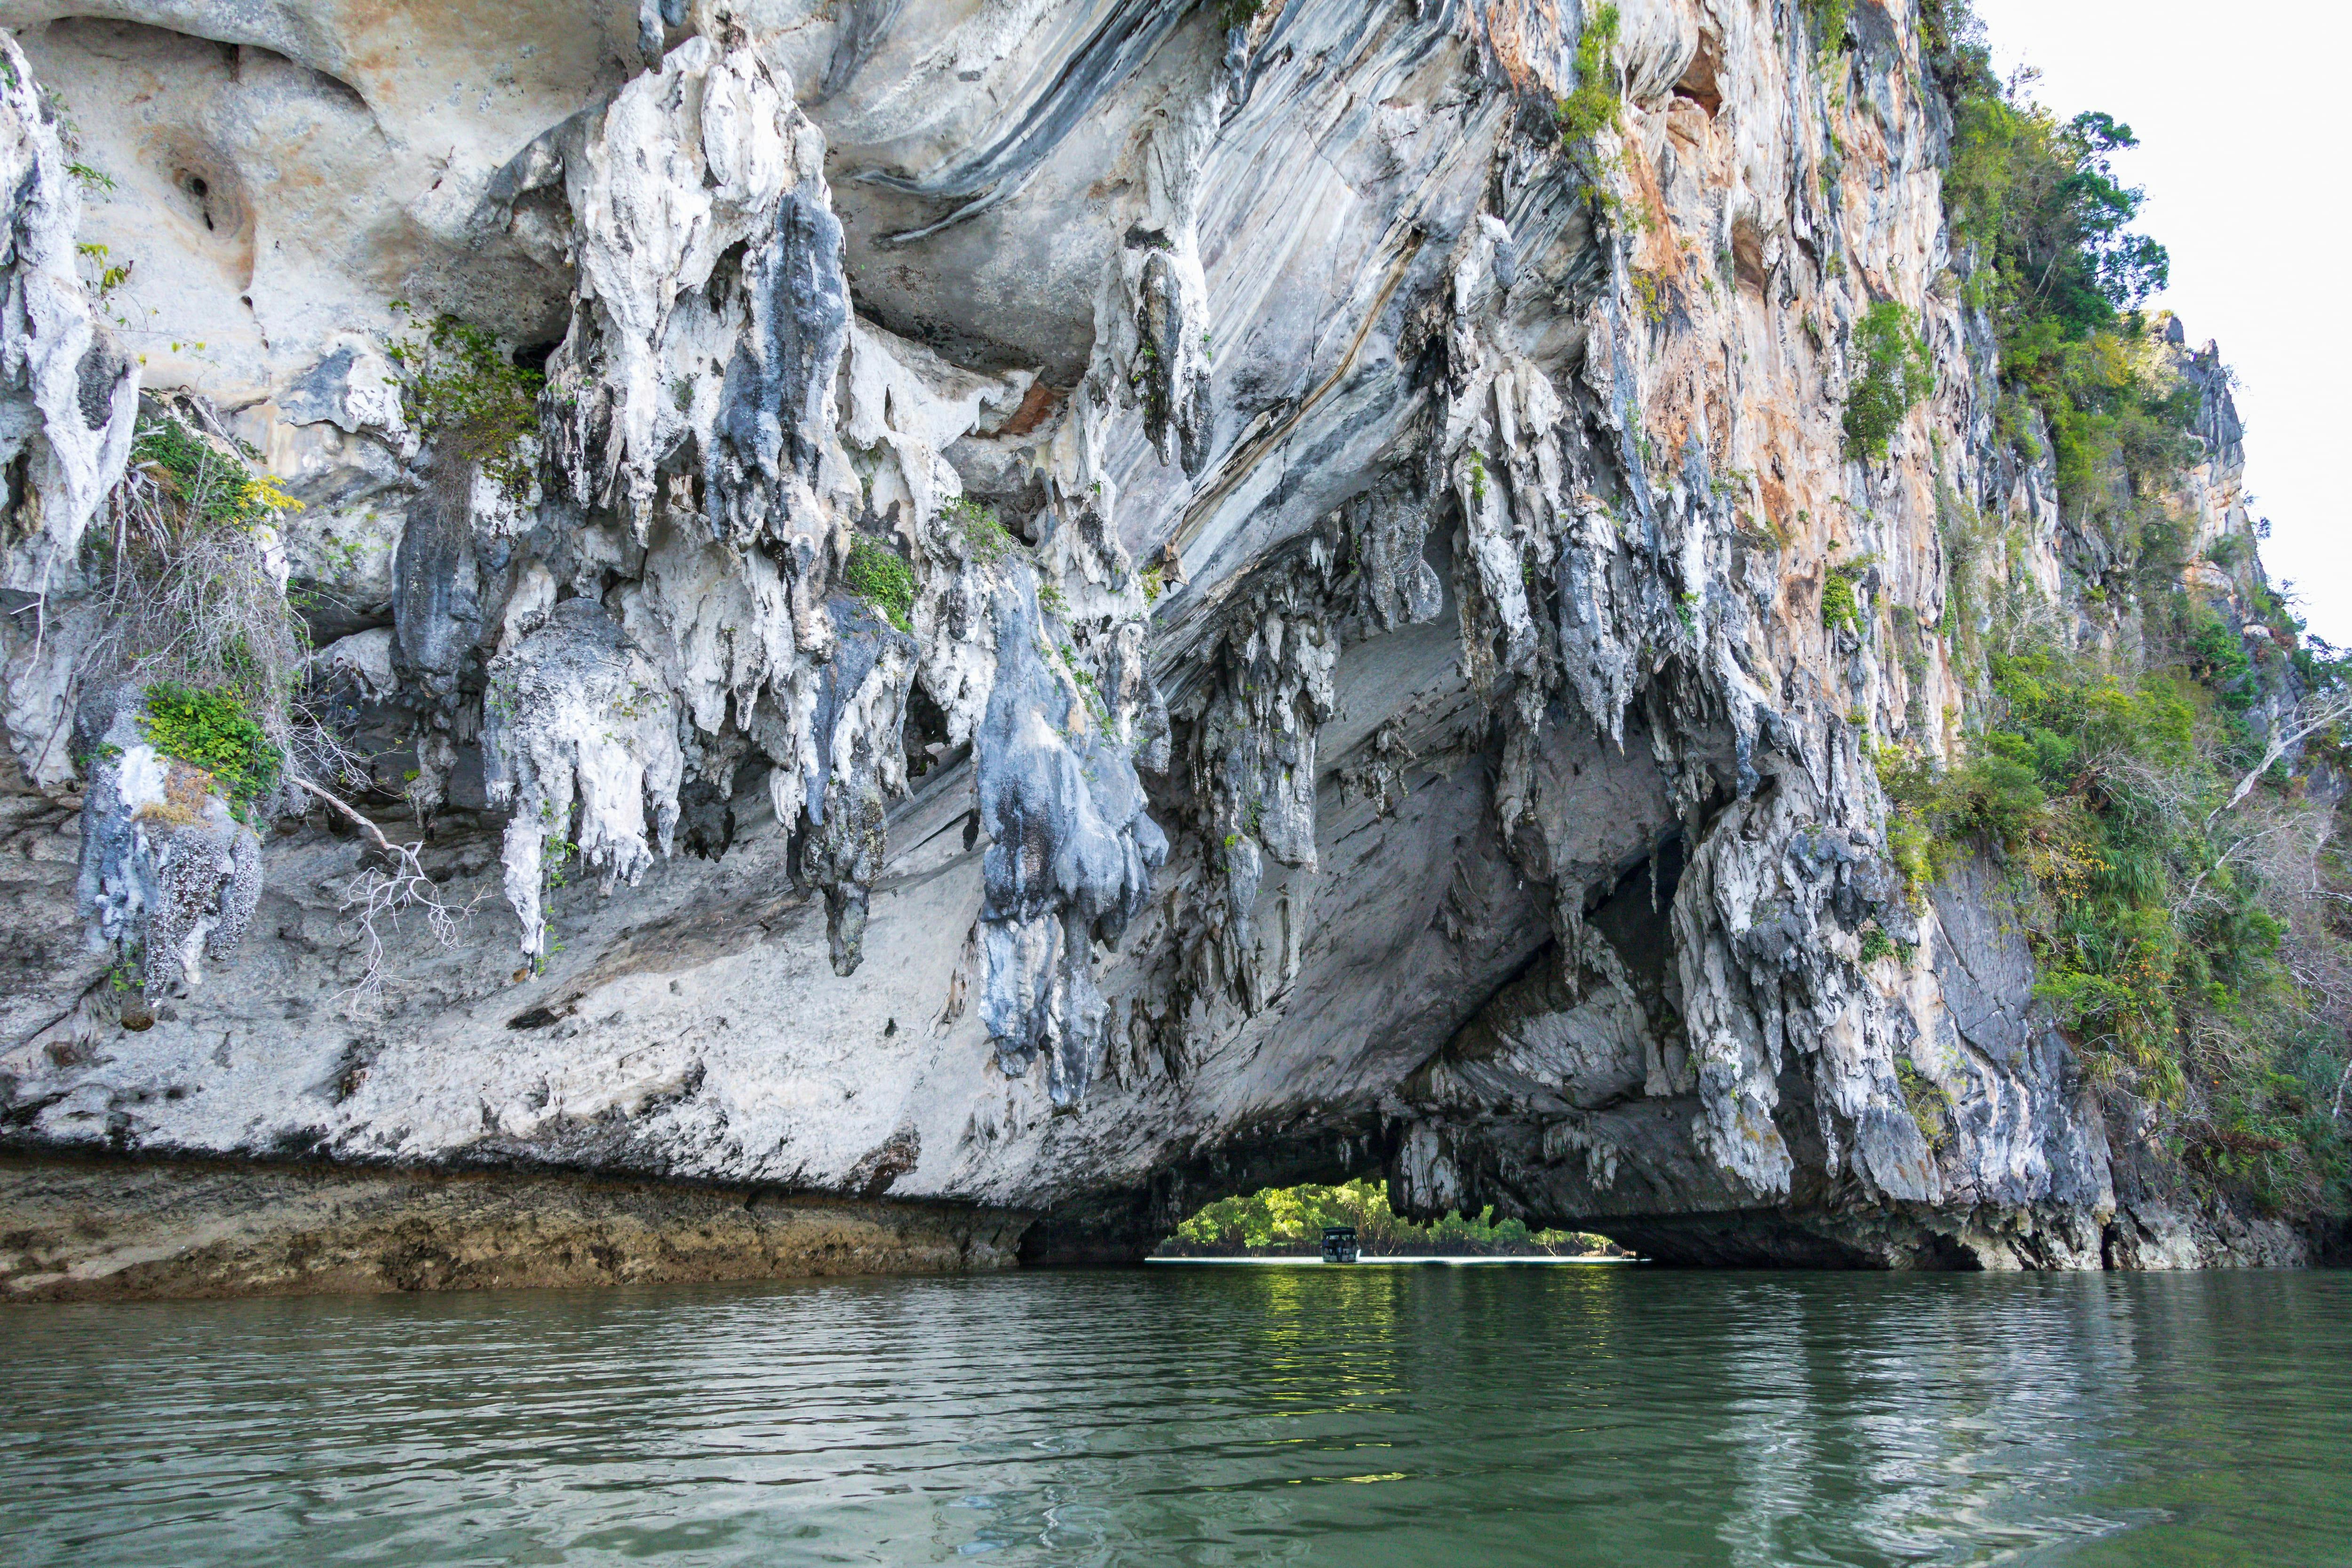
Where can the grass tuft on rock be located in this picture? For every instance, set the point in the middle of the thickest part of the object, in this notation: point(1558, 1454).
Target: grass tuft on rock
point(881, 577)
point(982, 534)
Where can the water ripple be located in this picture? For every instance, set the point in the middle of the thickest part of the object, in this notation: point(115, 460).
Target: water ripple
point(1364, 1416)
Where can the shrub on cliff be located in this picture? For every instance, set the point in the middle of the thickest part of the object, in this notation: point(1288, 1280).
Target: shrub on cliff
point(210, 482)
point(191, 578)
point(883, 579)
point(1590, 106)
point(462, 390)
point(1827, 20)
point(2187, 929)
point(977, 528)
point(1895, 375)
point(2181, 892)
point(211, 730)
point(189, 569)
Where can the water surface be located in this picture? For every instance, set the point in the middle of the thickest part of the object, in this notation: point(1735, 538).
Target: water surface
point(1369, 1415)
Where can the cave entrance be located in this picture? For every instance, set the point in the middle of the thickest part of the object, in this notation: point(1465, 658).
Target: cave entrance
point(1289, 1222)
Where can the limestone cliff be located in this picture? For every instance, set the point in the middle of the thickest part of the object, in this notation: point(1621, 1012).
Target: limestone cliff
point(1122, 599)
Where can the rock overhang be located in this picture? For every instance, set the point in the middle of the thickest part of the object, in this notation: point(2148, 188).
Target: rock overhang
point(1316, 314)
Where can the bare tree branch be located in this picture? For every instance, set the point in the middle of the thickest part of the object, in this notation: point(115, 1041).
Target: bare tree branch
point(358, 818)
point(381, 894)
point(2313, 714)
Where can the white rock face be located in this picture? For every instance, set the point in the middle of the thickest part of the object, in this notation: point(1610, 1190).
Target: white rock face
point(583, 747)
point(169, 876)
point(1212, 606)
point(66, 387)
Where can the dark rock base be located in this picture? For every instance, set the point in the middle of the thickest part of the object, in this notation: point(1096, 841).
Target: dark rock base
point(92, 1230)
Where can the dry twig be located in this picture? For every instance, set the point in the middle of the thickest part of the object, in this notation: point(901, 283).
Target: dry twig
point(380, 895)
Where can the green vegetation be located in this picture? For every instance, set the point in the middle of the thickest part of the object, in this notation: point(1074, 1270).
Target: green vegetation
point(2035, 204)
point(211, 729)
point(209, 483)
point(462, 390)
point(1592, 106)
point(1837, 608)
point(1840, 604)
point(881, 577)
point(1895, 375)
point(983, 537)
point(1652, 295)
point(1283, 1220)
point(188, 571)
point(1876, 944)
point(198, 616)
point(1826, 19)
point(1930, 1106)
point(2183, 896)
point(111, 275)
point(1089, 689)
point(2177, 936)
point(557, 852)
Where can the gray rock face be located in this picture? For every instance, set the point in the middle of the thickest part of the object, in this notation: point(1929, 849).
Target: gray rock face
point(1358, 699)
point(169, 877)
point(1070, 857)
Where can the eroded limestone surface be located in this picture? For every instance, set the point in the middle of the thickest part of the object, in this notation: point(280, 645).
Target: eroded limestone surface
point(103, 1230)
point(1363, 702)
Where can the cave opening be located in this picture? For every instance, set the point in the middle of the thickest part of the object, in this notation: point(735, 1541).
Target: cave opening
point(1289, 1222)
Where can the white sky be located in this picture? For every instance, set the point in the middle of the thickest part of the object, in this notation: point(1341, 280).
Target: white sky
point(2242, 117)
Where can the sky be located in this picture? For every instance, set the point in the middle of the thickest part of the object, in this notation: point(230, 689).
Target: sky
point(2245, 142)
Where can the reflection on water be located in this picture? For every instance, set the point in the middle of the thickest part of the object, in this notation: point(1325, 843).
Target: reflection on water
point(1365, 1415)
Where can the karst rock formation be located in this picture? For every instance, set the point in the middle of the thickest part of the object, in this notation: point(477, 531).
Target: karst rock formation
point(1351, 695)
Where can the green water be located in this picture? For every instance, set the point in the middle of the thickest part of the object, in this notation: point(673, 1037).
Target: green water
point(1200, 1415)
